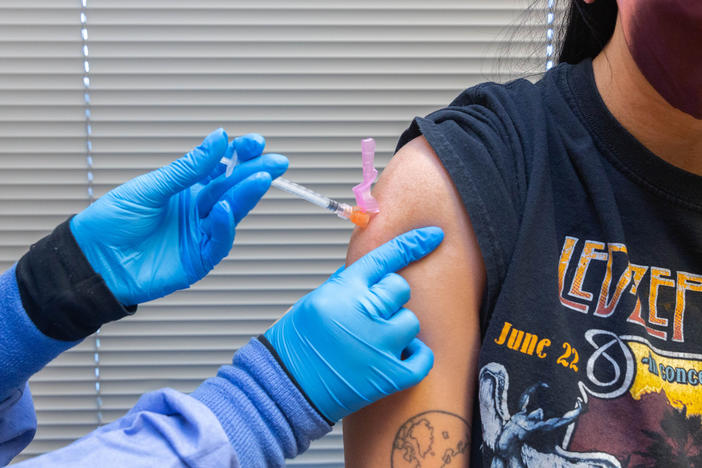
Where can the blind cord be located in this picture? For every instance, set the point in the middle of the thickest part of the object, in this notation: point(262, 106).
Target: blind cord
point(550, 18)
point(89, 177)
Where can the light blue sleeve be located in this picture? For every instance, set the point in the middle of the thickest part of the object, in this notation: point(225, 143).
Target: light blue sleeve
point(250, 415)
point(18, 423)
point(24, 350)
point(165, 428)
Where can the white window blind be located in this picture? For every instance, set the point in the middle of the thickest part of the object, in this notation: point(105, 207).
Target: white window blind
point(312, 76)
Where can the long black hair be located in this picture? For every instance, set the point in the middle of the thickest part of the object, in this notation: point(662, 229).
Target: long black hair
point(586, 29)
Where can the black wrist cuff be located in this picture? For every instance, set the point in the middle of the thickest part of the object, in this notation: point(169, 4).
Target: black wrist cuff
point(62, 294)
point(264, 341)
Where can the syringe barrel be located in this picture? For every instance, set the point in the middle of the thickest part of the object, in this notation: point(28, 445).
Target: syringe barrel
point(303, 192)
point(342, 210)
point(354, 214)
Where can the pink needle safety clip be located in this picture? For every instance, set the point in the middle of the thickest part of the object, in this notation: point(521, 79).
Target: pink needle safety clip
point(362, 191)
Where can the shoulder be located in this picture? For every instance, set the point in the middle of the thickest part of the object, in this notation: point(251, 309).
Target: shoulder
point(500, 97)
point(415, 191)
point(508, 112)
point(503, 117)
point(493, 129)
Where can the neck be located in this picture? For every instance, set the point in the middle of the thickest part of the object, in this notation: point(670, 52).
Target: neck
point(671, 134)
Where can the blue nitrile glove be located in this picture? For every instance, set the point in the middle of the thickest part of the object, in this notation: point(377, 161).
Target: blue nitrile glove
point(350, 342)
point(165, 230)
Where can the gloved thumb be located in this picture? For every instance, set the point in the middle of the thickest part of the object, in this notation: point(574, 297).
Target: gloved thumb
point(165, 182)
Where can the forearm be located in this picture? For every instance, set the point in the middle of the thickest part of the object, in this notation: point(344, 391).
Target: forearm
point(49, 301)
point(430, 423)
point(250, 415)
point(264, 414)
point(23, 351)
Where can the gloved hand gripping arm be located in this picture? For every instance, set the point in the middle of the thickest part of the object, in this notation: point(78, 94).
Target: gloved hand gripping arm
point(345, 345)
point(351, 342)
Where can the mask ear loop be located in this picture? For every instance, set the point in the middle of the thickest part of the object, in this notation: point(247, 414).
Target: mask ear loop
point(362, 191)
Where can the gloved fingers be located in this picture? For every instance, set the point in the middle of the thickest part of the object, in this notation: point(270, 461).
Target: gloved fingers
point(395, 254)
point(159, 185)
point(393, 292)
point(246, 194)
point(219, 233)
point(249, 146)
point(418, 358)
point(274, 164)
point(221, 167)
point(402, 329)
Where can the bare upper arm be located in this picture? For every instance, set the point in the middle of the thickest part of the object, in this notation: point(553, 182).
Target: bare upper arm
point(447, 287)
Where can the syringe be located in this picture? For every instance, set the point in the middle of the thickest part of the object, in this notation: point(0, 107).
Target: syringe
point(343, 210)
point(356, 215)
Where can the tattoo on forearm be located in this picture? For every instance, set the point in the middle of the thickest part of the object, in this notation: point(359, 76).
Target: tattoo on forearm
point(432, 439)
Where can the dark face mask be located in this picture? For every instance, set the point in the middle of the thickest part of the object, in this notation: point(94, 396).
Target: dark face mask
point(665, 39)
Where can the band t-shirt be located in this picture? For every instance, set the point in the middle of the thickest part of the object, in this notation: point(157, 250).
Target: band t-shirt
point(591, 325)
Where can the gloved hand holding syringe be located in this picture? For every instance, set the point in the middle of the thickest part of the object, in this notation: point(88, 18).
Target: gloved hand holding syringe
point(359, 215)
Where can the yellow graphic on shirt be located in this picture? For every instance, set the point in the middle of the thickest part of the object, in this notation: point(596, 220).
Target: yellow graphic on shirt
point(586, 287)
point(679, 377)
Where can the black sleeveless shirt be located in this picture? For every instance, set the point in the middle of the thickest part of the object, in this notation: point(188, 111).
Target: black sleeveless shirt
point(591, 323)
